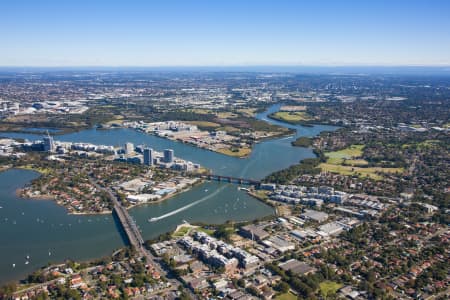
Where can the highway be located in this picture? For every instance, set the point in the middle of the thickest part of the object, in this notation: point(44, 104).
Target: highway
point(135, 237)
point(132, 231)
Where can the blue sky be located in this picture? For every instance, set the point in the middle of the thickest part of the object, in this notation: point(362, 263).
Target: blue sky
point(221, 33)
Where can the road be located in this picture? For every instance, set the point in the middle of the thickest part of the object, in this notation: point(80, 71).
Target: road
point(135, 237)
point(41, 285)
point(131, 229)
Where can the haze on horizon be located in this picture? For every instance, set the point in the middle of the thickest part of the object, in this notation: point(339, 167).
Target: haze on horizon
point(208, 33)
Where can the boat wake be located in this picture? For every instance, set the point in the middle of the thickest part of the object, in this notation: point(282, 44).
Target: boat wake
point(286, 138)
point(174, 212)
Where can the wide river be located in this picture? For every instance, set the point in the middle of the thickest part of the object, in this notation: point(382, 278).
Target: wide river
point(44, 231)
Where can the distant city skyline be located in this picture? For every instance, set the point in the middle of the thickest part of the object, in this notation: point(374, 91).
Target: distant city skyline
point(228, 33)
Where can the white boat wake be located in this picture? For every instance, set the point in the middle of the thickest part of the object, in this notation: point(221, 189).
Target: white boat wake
point(285, 138)
point(174, 212)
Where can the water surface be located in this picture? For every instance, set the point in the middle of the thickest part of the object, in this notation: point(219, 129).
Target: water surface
point(37, 227)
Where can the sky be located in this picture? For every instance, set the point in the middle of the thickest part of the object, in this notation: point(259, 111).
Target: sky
point(224, 33)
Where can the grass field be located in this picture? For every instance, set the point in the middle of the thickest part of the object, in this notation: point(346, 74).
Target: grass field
point(202, 111)
point(358, 171)
point(204, 124)
point(117, 120)
point(242, 152)
point(286, 296)
point(328, 288)
point(44, 171)
point(261, 194)
point(349, 153)
point(348, 161)
point(225, 115)
point(228, 129)
point(249, 112)
point(207, 231)
point(296, 116)
point(182, 231)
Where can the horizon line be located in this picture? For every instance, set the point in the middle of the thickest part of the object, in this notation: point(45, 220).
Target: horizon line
point(239, 66)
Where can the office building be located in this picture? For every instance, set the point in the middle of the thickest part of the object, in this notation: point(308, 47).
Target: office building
point(49, 144)
point(168, 155)
point(129, 148)
point(148, 156)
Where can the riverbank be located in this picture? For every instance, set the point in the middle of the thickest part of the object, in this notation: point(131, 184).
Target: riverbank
point(241, 153)
point(55, 131)
point(167, 197)
point(232, 151)
point(81, 238)
point(293, 121)
point(261, 196)
point(33, 195)
point(304, 123)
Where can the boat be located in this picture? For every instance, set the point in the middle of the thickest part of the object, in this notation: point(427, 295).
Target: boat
point(28, 257)
point(206, 190)
point(49, 253)
point(152, 219)
point(27, 262)
point(14, 265)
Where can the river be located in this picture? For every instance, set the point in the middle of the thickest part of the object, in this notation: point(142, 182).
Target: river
point(43, 230)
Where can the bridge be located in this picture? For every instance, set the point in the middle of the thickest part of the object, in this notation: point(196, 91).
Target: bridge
point(130, 228)
point(231, 179)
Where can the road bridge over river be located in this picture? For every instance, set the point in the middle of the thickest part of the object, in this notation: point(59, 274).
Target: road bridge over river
point(231, 179)
point(130, 228)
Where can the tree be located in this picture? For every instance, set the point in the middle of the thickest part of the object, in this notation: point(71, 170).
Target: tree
point(7, 290)
point(282, 287)
point(253, 291)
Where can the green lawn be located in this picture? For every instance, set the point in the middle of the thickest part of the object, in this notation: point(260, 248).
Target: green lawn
point(328, 288)
point(348, 161)
point(296, 116)
point(286, 296)
point(349, 153)
point(182, 231)
point(361, 172)
point(242, 152)
point(204, 124)
point(207, 231)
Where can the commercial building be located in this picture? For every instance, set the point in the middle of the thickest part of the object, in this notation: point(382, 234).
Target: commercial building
point(168, 155)
point(279, 244)
point(332, 228)
point(148, 156)
point(314, 215)
point(129, 148)
point(49, 144)
point(297, 267)
point(254, 232)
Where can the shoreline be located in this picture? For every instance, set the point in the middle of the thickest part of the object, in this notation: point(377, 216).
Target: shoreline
point(167, 197)
point(301, 123)
point(275, 136)
point(275, 210)
point(22, 193)
point(193, 144)
point(60, 131)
